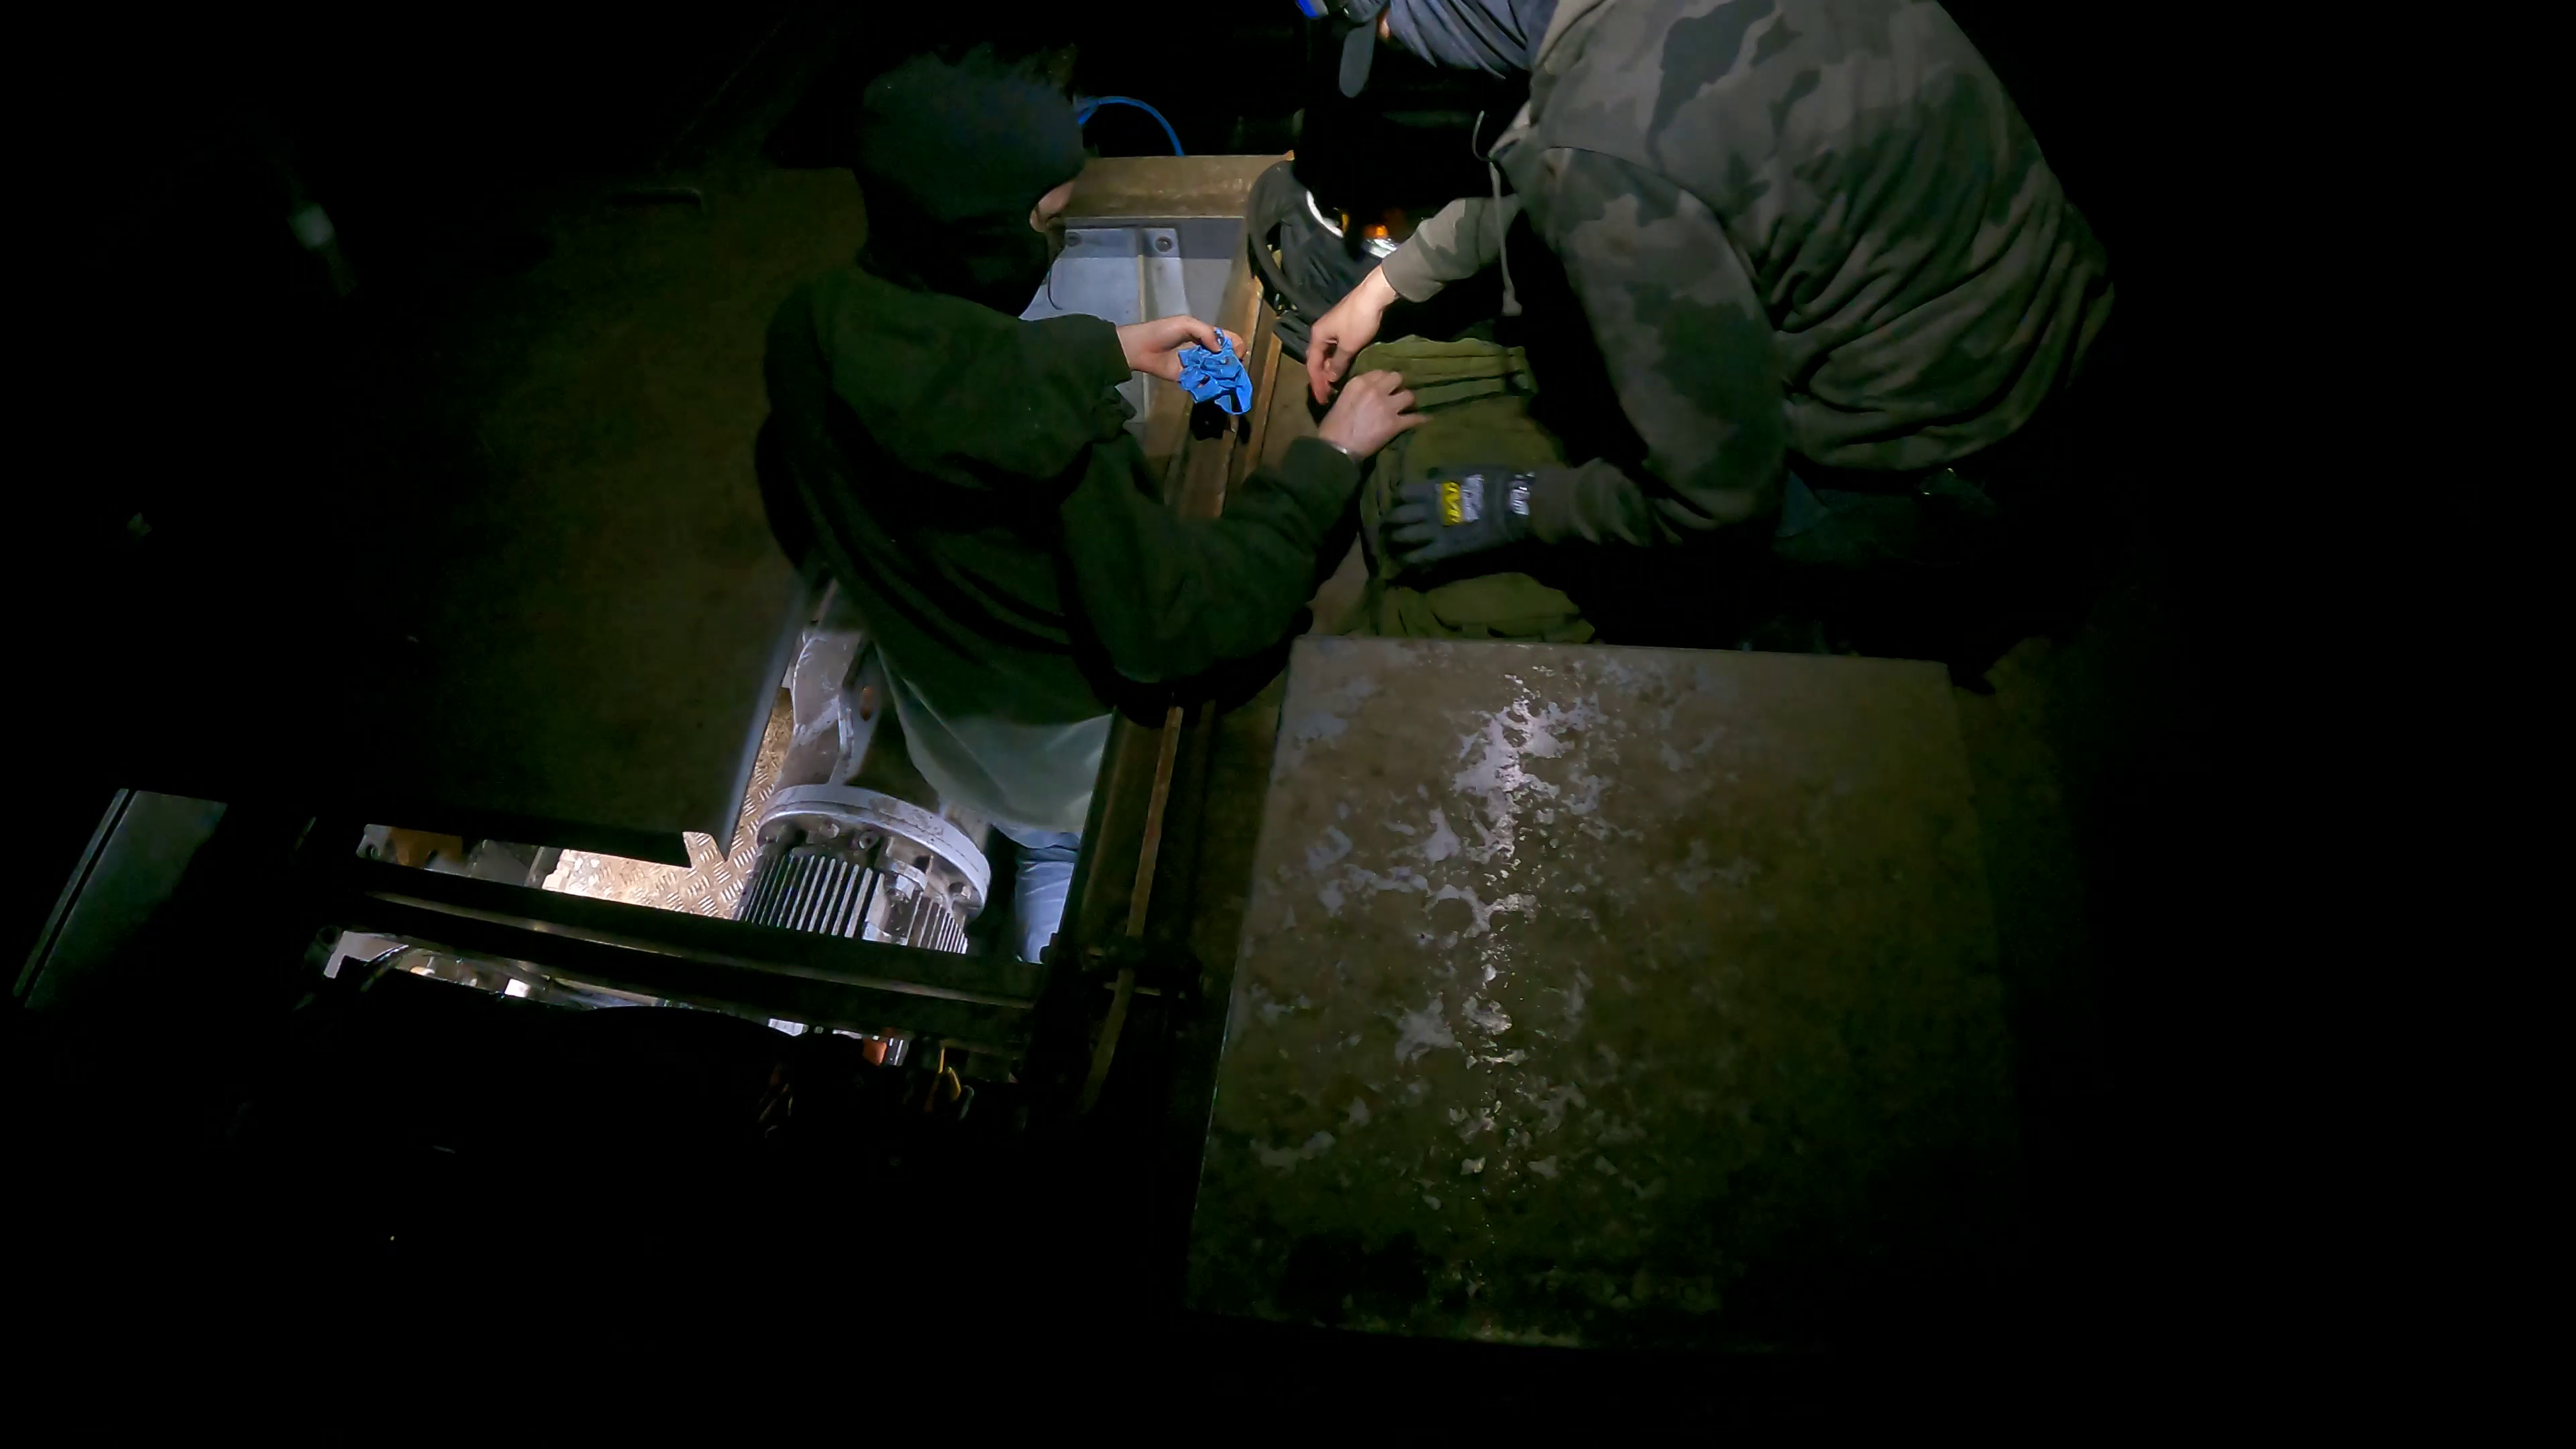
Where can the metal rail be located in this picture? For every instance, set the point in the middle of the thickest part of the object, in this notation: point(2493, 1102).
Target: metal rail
point(820, 980)
point(1152, 781)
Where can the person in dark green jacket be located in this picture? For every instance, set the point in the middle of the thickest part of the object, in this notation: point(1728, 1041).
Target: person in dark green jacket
point(969, 479)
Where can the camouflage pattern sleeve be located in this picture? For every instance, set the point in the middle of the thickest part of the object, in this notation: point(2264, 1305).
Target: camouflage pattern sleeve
point(1463, 239)
point(1688, 348)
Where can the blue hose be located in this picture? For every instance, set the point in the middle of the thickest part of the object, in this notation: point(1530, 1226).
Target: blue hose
point(1082, 113)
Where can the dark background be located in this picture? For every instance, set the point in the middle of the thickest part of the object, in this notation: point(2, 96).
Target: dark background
point(198, 370)
point(192, 364)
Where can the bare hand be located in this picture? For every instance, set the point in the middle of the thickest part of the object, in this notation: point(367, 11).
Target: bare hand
point(1155, 346)
point(1370, 412)
point(1339, 334)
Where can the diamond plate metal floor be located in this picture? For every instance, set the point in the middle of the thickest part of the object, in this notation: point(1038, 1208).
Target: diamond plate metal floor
point(712, 885)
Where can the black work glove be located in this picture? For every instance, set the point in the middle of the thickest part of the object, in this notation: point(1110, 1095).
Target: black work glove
point(1468, 511)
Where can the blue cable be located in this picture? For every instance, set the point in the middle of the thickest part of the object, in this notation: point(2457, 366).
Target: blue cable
point(1082, 114)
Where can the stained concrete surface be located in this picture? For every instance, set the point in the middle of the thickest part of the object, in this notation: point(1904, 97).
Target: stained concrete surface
point(2093, 798)
point(2106, 843)
point(1613, 996)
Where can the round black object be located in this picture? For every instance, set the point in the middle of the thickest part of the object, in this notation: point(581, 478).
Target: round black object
point(1304, 269)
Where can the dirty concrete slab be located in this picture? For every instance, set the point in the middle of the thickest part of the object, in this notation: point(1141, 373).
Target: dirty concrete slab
point(1612, 997)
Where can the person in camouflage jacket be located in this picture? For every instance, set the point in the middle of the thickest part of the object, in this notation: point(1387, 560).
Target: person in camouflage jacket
point(1809, 236)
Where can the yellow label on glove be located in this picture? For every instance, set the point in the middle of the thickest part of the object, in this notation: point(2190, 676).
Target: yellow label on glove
point(1453, 511)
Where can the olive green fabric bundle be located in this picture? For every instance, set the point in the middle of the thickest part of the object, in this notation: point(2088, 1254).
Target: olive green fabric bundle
point(1475, 398)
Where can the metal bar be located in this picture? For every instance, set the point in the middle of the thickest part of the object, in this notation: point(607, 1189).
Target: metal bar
point(1206, 467)
point(781, 891)
point(1107, 1051)
point(829, 905)
point(1182, 838)
point(827, 888)
point(817, 894)
point(1166, 437)
point(1166, 753)
point(1195, 487)
point(719, 985)
point(809, 903)
point(1266, 359)
point(867, 902)
point(1206, 464)
point(1112, 838)
point(758, 947)
point(790, 892)
point(845, 898)
point(844, 877)
point(772, 883)
point(782, 904)
point(774, 900)
point(810, 890)
point(368, 903)
point(71, 892)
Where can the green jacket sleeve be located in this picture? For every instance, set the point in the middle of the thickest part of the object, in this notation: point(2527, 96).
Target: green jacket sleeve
point(1464, 238)
point(1025, 415)
point(949, 388)
point(1170, 597)
point(1689, 351)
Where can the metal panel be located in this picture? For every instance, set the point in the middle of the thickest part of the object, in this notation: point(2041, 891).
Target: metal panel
point(1158, 256)
point(1100, 275)
point(133, 864)
point(1208, 253)
point(1611, 996)
point(1096, 276)
point(1129, 274)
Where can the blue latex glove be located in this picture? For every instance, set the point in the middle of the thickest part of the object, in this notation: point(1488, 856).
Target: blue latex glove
point(1218, 375)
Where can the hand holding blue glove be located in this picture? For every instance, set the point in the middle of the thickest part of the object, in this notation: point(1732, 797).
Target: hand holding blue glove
point(1158, 346)
point(1217, 375)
